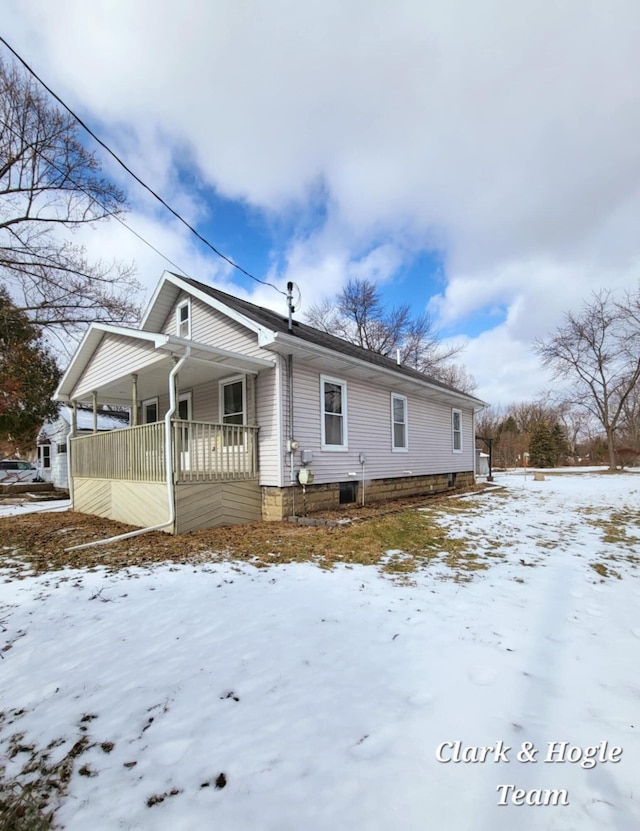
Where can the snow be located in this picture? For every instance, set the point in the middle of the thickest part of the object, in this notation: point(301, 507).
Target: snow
point(323, 696)
point(26, 506)
point(85, 419)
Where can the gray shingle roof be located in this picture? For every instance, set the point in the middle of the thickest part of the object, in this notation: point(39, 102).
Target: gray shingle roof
point(279, 323)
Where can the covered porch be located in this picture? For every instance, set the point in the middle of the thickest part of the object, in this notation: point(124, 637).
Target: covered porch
point(189, 459)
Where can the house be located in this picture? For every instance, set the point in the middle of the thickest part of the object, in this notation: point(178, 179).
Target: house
point(239, 413)
point(52, 444)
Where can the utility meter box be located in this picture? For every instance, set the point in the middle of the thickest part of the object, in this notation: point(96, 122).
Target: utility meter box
point(305, 476)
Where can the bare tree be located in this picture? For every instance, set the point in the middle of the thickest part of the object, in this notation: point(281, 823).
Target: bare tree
point(50, 185)
point(358, 315)
point(598, 352)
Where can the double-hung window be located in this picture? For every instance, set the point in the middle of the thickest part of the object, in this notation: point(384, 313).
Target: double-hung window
point(233, 410)
point(150, 410)
point(399, 439)
point(333, 403)
point(44, 456)
point(232, 401)
point(183, 319)
point(456, 431)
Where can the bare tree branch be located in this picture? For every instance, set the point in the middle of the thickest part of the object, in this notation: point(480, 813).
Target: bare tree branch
point(598, 351)
point(358, 316)
point(49, 182)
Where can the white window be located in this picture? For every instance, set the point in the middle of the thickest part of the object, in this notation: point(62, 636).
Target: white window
point(44, 456)
point(333, 404)
point(185, 406)
point(233, 397)
point(183, 319)
point(149, 410)
point(456, 431)
point(398, 422)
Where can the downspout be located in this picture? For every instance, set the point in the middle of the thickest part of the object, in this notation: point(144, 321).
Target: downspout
point(72, 435)
point(292, 478)
point(168, 464)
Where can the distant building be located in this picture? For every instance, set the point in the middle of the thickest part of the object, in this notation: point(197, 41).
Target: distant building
point(52, 440)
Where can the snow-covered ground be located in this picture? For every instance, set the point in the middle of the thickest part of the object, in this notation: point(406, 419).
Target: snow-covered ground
point(325, 697)
point(16, 506)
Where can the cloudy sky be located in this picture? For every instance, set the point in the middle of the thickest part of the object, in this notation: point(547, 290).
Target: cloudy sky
point(478, 158)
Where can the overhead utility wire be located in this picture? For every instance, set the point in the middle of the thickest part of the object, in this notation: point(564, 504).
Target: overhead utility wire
point(87, 193)
point(137, 178)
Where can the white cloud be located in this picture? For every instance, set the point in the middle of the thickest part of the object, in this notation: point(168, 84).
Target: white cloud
point(503, 133)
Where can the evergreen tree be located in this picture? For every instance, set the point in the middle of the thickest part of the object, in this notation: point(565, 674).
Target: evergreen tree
point(542, 448)
point(560, 444)
point(28, 377)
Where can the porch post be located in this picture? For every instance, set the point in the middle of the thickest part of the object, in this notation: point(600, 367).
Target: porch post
point(251, 395)
point(95, 411)
point(134, 400)
point(74, 418)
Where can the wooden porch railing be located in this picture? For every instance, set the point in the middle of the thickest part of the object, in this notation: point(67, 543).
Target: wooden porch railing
point(133, 453)
point(201, 452)
point(205, 452)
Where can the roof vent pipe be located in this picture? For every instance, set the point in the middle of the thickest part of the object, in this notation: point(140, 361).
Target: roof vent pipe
point(398, 357)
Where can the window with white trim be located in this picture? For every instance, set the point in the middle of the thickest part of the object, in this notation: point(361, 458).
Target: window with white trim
point(399, 439)
point(233, 407)
point(183, 319)
point(150, 410)
point(44, 456)
point(333, 405)
point(456, 431)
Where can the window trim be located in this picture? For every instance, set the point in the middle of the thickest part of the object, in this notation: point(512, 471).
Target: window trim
point(143, 407)
point(334, 448)
point(454, 411)
point(405, 447)
point(232, 380)
point(182, 305)
point(44, 458)
point(187, 396)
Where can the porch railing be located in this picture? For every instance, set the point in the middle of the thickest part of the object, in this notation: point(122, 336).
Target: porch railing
point(205, 452)
point(134, 453)
point(200, 452)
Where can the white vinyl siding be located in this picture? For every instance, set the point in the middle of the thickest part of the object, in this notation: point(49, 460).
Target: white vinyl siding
point(399, 426)
point(115, 357)
point(333, 403)
point(428, 432)
point(216, 329)
point(456, 431)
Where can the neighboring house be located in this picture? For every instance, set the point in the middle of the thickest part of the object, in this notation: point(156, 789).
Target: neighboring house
point(53, 440)
point(233, 406)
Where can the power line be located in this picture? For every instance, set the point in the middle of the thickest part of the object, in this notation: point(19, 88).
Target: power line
point(136, 177)
point(87, 193)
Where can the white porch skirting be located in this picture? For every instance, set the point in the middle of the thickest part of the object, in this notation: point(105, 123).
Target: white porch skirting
point(199, 505)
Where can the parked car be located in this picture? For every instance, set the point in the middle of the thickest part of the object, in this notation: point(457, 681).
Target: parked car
point(17, 470)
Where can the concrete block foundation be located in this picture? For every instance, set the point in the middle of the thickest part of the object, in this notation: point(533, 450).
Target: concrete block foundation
point(280, 503)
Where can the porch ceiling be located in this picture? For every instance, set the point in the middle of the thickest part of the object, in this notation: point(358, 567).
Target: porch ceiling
point(153, 380)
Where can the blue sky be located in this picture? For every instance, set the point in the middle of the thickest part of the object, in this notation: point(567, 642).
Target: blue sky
point(478, 160)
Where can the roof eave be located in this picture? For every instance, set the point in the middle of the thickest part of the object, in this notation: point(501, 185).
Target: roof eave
point(290, 343)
